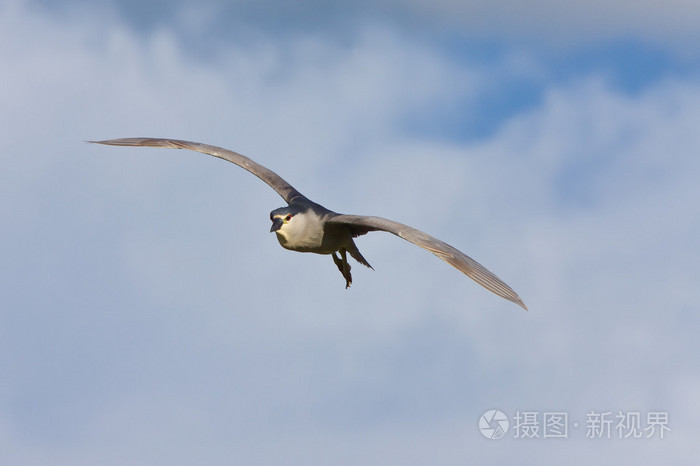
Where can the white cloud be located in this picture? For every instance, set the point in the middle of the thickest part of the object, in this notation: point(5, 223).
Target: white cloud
point(565, 23)
point(549, 23)
point(136, 321)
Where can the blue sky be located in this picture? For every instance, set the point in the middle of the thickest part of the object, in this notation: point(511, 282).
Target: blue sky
point(149, 317)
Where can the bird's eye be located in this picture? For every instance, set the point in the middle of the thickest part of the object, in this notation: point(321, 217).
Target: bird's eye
point(288, 217)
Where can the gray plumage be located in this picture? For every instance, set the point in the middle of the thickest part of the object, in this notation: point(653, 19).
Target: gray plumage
point(305, 226)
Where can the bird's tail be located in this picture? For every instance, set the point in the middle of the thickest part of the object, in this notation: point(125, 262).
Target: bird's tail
point(355, 253)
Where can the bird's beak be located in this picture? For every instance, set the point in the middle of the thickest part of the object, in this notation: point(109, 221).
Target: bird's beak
point(276, 224)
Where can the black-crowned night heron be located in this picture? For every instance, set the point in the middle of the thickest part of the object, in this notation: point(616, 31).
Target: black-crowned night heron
point(305, 226)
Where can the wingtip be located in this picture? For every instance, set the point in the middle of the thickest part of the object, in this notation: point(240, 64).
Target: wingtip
point(121, 141)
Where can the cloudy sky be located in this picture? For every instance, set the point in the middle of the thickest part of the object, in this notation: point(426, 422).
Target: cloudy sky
point(148, 316)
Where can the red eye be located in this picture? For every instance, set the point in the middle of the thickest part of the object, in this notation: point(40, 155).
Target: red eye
point(288, 217)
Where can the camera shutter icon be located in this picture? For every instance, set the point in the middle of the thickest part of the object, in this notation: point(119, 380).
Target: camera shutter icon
point(493, 424)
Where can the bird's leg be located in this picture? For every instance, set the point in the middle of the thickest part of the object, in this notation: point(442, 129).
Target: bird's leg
point(343, 266)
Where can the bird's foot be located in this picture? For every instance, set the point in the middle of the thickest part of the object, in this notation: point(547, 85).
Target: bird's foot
point(344, 268)
point(347, 276)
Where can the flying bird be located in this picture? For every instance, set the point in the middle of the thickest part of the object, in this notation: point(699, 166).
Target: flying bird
point(306, 226)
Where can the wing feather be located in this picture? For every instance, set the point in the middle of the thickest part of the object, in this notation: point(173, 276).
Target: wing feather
point(360, 224)
point(276, 182)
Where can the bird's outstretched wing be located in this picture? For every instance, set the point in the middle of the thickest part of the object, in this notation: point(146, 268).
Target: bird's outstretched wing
point(360, 224)
point(275, 181)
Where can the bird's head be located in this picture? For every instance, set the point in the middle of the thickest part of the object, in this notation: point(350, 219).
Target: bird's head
point(285, 223)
